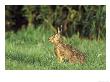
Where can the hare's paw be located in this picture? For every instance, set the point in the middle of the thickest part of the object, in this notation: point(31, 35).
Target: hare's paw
point(60, 59)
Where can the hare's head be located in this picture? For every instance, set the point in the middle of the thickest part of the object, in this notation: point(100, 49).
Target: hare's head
point(56, 38)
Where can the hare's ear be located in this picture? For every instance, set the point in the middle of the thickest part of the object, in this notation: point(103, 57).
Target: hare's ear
point(59, 30)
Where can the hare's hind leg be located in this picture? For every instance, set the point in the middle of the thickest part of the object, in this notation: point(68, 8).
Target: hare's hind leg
point(73, 59)
point(82, 59)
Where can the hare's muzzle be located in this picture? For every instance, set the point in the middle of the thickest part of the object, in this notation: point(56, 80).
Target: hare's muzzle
point(49, 39)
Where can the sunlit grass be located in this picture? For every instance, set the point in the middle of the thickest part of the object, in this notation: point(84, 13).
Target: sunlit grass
point(30, 49)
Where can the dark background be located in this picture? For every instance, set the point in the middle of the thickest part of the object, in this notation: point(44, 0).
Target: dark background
point(85, 20)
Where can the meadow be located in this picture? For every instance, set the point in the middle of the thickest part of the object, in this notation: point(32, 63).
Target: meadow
point(29, 49)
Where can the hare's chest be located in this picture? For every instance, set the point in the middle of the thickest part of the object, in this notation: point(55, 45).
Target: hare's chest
point(59, 50)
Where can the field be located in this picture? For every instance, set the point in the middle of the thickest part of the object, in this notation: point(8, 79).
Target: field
point(30, 50)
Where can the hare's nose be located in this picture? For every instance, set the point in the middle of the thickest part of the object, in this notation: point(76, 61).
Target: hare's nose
point(49, 39)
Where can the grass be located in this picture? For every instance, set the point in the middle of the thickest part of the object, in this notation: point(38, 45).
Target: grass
point(30, 50)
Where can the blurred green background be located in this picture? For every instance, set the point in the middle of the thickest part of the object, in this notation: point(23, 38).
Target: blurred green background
point(28, 27)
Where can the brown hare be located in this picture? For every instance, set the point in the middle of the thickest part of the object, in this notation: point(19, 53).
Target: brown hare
point(65, 51)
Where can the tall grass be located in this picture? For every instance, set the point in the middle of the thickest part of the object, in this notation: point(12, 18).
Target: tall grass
point(30, 50)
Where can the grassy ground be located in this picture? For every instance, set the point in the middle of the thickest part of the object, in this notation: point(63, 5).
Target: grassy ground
point(29, 50)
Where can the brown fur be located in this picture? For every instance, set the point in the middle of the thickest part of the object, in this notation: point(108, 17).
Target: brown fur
point(65, 51)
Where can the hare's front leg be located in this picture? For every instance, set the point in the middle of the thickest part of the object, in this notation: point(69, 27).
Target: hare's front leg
point(59, 56)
